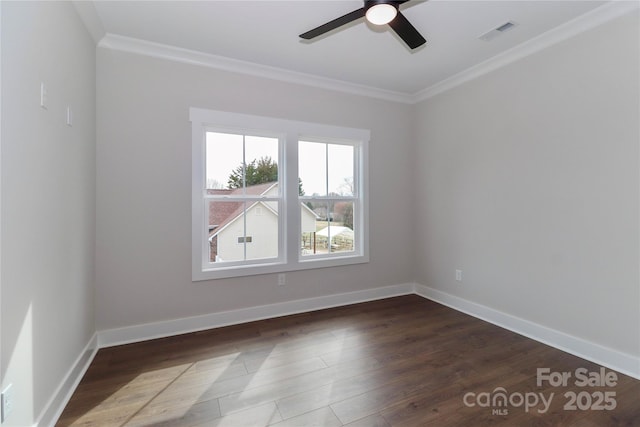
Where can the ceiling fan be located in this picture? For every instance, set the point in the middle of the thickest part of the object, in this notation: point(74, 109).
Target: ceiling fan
point(378, 12)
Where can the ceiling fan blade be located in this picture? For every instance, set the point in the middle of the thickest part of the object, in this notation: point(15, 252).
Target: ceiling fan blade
point(332, 25)
point(406, 31)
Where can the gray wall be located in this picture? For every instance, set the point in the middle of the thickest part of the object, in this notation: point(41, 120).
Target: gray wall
point(528, 182)
point(48, 201)
point(144, 182)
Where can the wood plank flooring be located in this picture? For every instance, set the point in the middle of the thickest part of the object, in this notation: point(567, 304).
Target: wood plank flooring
point(402, 361)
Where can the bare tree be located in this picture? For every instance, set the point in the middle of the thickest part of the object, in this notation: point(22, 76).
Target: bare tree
point(347, 188)
point(214, 184)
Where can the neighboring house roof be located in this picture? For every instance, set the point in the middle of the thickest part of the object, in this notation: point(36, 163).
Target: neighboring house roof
point(308, 209)
point(223, 212)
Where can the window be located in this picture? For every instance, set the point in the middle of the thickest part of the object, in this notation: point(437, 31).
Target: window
point(241, 171)
point(328, 172)
point(272, 195)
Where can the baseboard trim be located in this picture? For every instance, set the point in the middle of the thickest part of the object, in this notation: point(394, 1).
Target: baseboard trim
point(622, 362)
point(137, 333)
point(56, 404)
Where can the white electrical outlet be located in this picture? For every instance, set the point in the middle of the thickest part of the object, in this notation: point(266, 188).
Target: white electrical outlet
point(6, 402)
point(282, 279)
point(458, 275)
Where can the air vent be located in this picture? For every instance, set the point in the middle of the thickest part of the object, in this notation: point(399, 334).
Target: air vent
point(492, 34)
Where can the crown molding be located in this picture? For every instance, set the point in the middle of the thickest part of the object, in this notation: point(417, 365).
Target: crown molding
point(89, 16)
point(585, 22)
point(172, 53)
point(582, 23)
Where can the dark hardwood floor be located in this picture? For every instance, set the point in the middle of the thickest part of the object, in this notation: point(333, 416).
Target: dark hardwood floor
point(403, 361)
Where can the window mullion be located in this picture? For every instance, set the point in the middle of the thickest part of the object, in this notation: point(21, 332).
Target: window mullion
point(326, 170)
point(291, 227)
point(244, 234)
point(244, 164)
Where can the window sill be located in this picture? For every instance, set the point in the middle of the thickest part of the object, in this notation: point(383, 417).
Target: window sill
point(277, 267)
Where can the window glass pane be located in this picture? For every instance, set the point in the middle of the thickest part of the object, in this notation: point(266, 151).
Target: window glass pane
point(240, 231)
point(223, 155)
point(341, 231)
point(310, 222)
point(226, 226)
point(327, 227)
point(312, 168)
point(314, 218)
point(227, 153)
point(262, 230)
point(340, 170)
point(261, 155)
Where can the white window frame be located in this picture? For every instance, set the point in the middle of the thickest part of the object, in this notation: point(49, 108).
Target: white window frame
point(291, 132)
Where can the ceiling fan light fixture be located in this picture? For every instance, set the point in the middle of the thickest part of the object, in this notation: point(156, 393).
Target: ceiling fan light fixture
point(381, 13)
point(377, 12)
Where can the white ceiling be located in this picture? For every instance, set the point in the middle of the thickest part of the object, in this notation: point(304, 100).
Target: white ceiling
point(266, 33)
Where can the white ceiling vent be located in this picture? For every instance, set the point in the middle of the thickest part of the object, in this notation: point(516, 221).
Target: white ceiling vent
point(492, 34)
